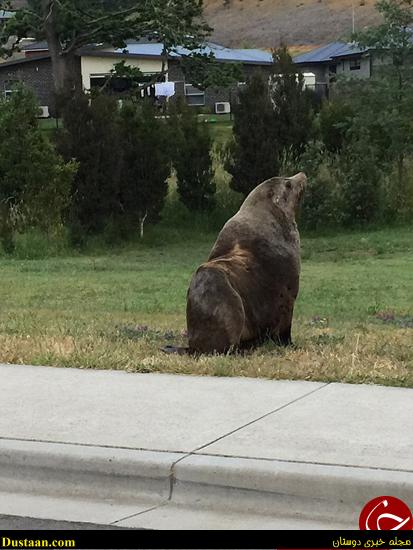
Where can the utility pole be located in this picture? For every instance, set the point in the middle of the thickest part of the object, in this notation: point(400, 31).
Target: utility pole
point(353, 15)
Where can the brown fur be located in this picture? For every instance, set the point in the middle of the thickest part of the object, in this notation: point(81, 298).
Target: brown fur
point(246, 290)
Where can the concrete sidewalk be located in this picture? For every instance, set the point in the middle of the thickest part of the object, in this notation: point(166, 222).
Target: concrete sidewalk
point(164, 452)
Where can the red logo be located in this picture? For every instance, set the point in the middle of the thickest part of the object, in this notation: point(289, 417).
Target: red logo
point(386, 514)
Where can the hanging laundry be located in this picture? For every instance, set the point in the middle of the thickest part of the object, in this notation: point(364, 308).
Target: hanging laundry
point(164, 89)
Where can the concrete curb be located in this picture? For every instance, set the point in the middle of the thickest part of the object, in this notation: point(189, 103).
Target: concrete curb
point(79, 471)
point(309, 491)
point(144, 480)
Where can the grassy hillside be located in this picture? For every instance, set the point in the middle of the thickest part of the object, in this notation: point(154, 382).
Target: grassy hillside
point(267, 23)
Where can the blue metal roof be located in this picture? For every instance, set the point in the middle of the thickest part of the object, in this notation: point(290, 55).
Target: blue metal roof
point(251, 55)
point(320, 55)
point(220, 52)
point(350, 49)
point(35, 46)
point(150, 49)
point(154, 49)
point(328, 53)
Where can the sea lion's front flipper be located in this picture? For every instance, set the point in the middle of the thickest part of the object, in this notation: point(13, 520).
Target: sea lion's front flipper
point(215, 312)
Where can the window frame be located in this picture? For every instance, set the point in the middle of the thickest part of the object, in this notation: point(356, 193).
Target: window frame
point(196, 93)
point(9, 88)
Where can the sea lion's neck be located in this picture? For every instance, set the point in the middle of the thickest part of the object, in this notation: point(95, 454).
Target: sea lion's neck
point(285, 222)
point(280, 213)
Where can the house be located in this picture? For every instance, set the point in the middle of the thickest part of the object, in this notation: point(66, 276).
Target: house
point(33, 48)
point(96, 62)
point(35, 73)
point(336, 58)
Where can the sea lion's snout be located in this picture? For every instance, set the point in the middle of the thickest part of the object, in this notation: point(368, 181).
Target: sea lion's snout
point(299, 180)
point(299, 183)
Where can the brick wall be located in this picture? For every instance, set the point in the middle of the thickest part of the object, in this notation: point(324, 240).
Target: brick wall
point(35, 74)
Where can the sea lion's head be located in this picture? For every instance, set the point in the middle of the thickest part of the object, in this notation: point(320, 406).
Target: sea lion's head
point(283, 193)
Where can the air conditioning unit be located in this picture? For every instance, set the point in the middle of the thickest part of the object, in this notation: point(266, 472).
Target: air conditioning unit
point(222, 108)
point(43, 112)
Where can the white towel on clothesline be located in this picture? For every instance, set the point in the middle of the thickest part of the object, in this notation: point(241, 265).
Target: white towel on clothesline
point(164, 89)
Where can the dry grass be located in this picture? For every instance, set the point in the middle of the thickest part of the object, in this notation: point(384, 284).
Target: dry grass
point(268, 23)
point(377, 355)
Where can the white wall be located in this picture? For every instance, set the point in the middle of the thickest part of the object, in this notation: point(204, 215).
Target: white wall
point(99, 66)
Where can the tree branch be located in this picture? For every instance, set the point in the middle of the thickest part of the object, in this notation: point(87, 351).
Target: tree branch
point(111, 15)
point(140, 87)
point(82, 40)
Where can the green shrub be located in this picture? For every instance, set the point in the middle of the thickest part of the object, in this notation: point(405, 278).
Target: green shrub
point(91, 136)
point(334, 120)
point(360, 181)
point(253, 153)
point(145, 165)
point(34, 244)
point(322, 202)
point(34, 181)
point(293, 105)
point(191, 157)
point(396, 203)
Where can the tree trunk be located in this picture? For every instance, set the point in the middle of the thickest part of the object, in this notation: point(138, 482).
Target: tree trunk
point(55, 47)
point(65, 68)
point(400, 157)
point(6, 230)
point(142, 220)
point(400, 176)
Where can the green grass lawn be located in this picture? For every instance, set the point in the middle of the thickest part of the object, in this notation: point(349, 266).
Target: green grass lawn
point(353, 322)
point(220, 126)
point(49, 123)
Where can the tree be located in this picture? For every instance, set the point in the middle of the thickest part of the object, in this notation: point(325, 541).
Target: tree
point(322, 205)
point(253, 154)
point(91, 137)
point(367, 129)
point(335, 120)
point(145, 165)
point(192, 160)
point(204, 71)
point(293, 105)
point(34, 180)
point(386, 105)
point(67, 25)
point(273, 124)
point(360, 179)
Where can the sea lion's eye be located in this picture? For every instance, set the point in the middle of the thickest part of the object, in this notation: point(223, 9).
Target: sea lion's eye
point(288, 184)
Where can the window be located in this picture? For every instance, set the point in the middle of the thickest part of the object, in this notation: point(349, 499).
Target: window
point(120, 85)
point(98, 81)
point(194, 96)
point(9, 88)
point(355, 64)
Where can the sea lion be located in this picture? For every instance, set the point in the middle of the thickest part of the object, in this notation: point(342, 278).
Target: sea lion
point(246, 290)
